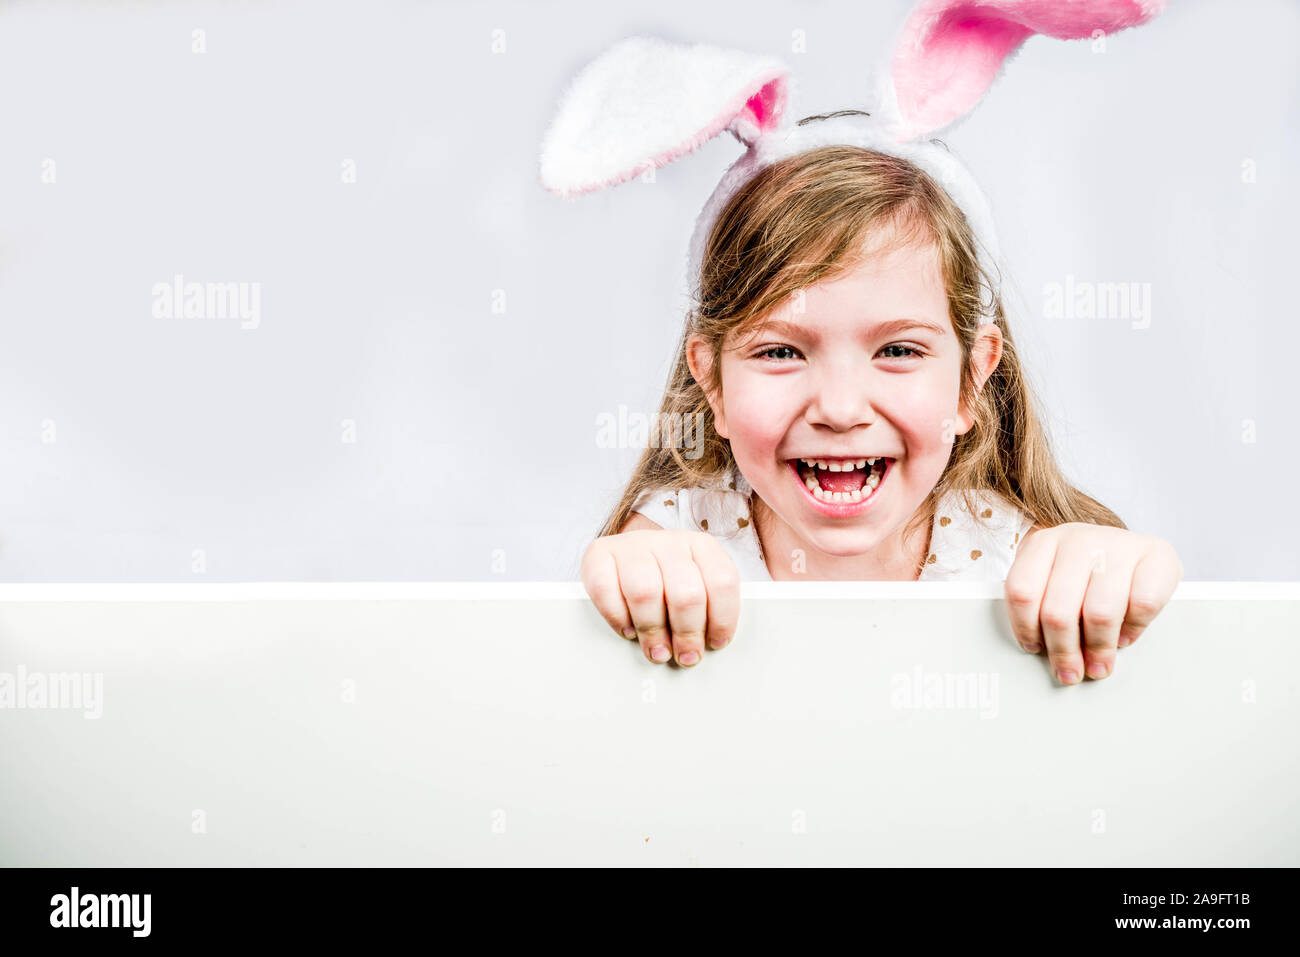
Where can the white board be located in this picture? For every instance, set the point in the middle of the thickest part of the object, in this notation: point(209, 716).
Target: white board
point(495, 723)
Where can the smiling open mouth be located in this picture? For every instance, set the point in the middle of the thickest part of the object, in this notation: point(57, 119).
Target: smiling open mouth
point(842, 482)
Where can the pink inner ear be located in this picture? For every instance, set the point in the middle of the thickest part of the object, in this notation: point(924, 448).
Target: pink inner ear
point(765, 105)
point(960, 60)
point(952, 50)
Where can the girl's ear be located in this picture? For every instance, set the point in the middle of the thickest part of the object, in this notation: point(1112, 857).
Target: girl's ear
point(986, 353)
point(698, 360)
point(644, 102)
point(951, 51)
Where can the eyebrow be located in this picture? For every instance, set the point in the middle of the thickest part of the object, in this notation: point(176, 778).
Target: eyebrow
point(892, 327)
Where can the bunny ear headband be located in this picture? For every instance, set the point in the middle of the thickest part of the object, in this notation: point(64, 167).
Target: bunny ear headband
point(645, 102)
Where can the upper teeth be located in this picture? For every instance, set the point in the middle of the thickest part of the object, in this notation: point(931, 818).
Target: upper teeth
point(840, 466)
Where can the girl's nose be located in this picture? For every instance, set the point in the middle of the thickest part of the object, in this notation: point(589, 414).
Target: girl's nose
point(842, 399)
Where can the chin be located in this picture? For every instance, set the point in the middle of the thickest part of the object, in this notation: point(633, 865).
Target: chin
point(847, 543)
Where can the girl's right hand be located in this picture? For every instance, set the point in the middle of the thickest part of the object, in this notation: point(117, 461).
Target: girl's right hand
point(674, 590)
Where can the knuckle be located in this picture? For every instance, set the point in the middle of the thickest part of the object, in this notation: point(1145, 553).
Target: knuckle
point(615, 616)
point(722, 628)
point(1058, 619)
point(1101, 619)
point(1145, 605)
point(687, 639)
point(609, 603)
point(1129, 634)
point(689, 598)
point(642, 592)
point(725, 580)
point(1062, 657)
point(600, 586)
point(1019, 595)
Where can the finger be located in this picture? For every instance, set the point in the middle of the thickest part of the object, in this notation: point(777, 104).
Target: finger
point(1024, 587)
point(687, 602)
point(1154, 583)
point(643, 590)
point(1129, 634)
point(1061, 610)
point(600, 578)
point(722, 581)
point(1104, 606)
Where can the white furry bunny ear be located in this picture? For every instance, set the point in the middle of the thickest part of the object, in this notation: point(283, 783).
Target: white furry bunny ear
point(951, 51)
point(644, 102)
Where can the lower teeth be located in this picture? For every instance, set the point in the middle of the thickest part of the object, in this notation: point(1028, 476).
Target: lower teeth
point(842, 498)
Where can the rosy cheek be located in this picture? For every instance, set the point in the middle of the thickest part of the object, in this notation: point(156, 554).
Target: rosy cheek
point(757, 423)
point(757, 440)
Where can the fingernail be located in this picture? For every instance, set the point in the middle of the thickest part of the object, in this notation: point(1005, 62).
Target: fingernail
point(1032, 649)
point(1098, 669)
point(719, 644)
point(1066, 676)
point(660, 653)
point(629, 632)
point(1125, 641)
point(689, 658)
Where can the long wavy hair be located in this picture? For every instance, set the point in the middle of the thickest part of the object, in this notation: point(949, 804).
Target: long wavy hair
point(806, 219)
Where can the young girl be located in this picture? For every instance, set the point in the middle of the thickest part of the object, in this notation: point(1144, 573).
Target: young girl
point(860, 423)
point(864, 412)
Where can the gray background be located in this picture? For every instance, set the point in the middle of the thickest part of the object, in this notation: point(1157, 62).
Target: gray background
point(475, 453)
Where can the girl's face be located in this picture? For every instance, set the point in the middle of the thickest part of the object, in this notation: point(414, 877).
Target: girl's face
point(864, 366)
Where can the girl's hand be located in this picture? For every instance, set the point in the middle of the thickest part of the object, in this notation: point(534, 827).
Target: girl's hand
point(674, 590)
point(1114, 580)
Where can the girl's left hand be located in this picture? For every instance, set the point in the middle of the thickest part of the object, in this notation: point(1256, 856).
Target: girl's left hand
point(1111, 580)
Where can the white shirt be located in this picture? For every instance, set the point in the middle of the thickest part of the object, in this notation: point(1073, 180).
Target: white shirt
point(962, 548)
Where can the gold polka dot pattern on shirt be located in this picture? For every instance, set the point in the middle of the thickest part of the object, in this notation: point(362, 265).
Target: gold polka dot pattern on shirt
point(987, 513)
point(932, 559)
point(705, 524)
point(732, 485)
point(975, 554)
point(669, 501)
point(742, 522)
point(944, 521)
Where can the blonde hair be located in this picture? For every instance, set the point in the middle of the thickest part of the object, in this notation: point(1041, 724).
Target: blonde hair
point(809, 218)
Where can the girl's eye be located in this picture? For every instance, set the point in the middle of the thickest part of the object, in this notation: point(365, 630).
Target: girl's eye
point(904, 348)
point(768, 352)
